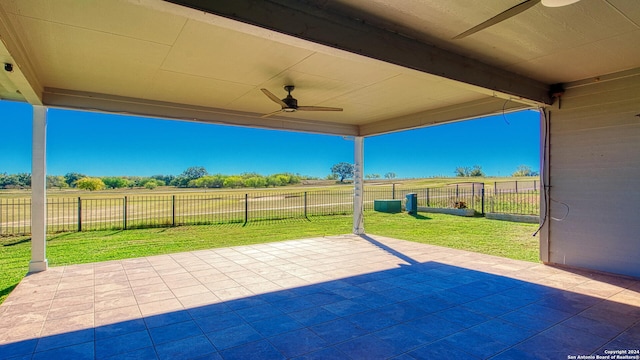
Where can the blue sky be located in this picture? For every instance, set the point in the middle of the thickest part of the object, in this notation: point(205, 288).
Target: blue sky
point(99, 144)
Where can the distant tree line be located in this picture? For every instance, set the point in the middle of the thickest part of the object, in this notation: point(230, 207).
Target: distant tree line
point(465, 171)
point(476, 170)
point(193, 177)
point(15, 181)
point(524, 170)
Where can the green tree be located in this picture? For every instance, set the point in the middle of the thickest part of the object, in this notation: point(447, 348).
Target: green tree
point(166, 179)
point(294, 178)
point(24, 179)
point(524, 170)
point(273, 180)
point(15, 181)
point(7, 181)
point(72, 177)
point(143, 182)
point(180, 181)
point(134, 181)
point(233, 181)
point(210, 181)
point(390, 175)
point(91, 184)
point(342, 170)
point(115, 182)
point(476, 171)
point(462, 171)
point(255, 182)
point(372, 176)
point(194, 172)
point(56, 181)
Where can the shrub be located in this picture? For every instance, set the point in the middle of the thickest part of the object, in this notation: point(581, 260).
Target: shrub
point(152, 184)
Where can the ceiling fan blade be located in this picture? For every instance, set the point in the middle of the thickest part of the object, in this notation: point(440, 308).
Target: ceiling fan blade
point(271, 113)
point(499, 18)
point(273, 98)
point(318, 108)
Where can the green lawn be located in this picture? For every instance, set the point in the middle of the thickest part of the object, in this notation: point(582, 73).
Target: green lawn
point(512, 240)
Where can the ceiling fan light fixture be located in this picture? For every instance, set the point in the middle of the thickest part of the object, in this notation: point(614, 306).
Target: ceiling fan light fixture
point(558, 3)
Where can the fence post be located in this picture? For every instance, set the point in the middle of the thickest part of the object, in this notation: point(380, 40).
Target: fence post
point(516, 186)
point(393, 191)
point(457, 193)
point(535, 185)
point(173, 210)
point(492, 200)
point(246, 208)
point(473, 195)
point(482, 200)
point(305, 205)
point(124, 217)
point(79, 214)
point(428, 198)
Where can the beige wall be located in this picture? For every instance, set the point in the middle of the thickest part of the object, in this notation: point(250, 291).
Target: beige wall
point(594, 168)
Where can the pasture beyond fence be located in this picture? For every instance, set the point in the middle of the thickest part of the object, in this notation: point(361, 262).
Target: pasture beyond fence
point(143, 211)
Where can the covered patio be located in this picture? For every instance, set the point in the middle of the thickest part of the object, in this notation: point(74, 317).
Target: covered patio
point(337, 297)
point(391, 66)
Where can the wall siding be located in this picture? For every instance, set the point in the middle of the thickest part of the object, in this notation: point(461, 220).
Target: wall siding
point(595, 170)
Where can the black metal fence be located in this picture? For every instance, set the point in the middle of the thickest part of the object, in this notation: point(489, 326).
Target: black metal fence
point(143, 211)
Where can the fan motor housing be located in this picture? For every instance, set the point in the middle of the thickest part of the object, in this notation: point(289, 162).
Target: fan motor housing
point(291, 102)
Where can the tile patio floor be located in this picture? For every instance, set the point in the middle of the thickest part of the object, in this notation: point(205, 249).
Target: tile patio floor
point(339, 297)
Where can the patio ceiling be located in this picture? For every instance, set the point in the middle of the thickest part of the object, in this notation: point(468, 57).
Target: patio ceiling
point(390, 65)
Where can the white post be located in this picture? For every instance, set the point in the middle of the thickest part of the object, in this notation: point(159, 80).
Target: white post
point(358, 186)
point(39, 191)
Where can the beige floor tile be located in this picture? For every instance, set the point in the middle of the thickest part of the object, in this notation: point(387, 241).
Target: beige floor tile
point(148, 297)
point(232, 293)
point(153, 279)
point(190, 290)
point(20, 332)
point(191, 301)
point(120, 314)
point(159, 307)
point(115, 302)
point(68, 324)
point(176, 284)
point(113, 294)
point(71, 310)
point(111, 287)
point(221, 285)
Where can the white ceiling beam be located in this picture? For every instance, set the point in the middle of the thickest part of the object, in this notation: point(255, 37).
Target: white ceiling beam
point(304, 21)
point(166, 110)
point(22, 76)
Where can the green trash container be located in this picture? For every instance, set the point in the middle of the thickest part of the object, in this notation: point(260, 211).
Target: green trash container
point(412, 204)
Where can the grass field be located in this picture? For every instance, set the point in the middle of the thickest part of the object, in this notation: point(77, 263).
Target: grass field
point(512, 240)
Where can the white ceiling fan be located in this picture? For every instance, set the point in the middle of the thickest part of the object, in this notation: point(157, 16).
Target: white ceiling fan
point(513, 11)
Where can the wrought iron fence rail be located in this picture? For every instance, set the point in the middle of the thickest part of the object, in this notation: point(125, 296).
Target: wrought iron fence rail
point(140, 211)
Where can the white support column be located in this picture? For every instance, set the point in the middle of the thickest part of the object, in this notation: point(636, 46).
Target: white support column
point(39, 191)
point(358, 185)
